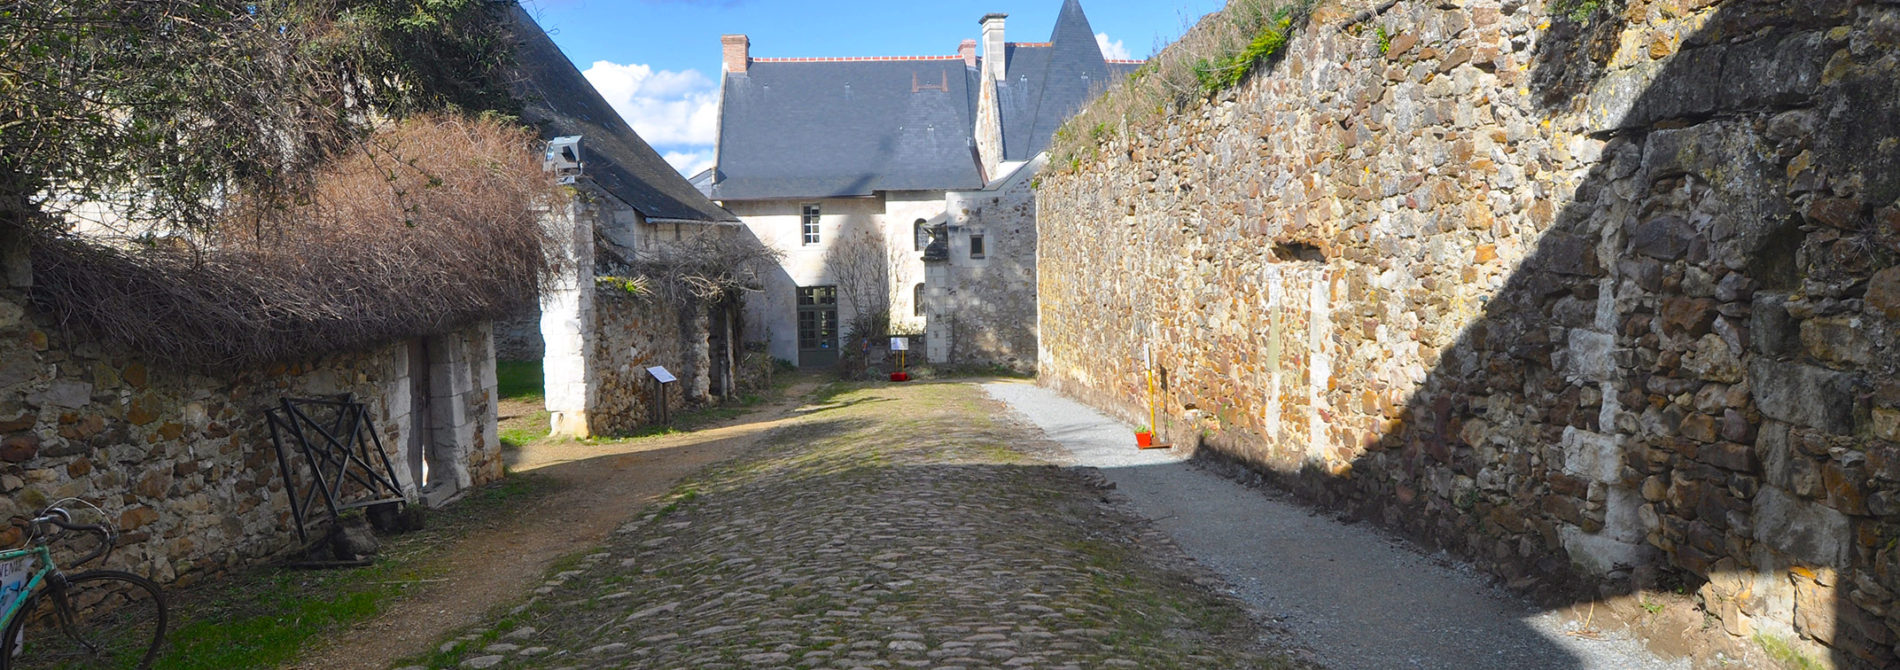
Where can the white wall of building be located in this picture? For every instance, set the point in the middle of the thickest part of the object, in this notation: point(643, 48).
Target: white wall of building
point(773, 316)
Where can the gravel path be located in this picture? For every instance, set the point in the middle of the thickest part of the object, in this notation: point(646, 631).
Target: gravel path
point(1357, 597)
point(892, 527)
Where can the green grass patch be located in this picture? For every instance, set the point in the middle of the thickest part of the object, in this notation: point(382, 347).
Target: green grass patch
point(1220, 52)
point(1226, 72)
point(526, 428)
point(1578, 11)
point(1785, 653)
point(267, 617)
point(519, 380)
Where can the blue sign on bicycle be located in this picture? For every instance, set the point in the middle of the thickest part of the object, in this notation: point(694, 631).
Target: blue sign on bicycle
point(13, 576)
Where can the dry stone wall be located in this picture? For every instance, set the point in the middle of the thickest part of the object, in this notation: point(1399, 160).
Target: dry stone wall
point(182, 462)
point(633, 334)
point(1599, 307)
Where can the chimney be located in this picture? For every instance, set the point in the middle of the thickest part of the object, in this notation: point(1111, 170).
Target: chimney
point(738, 51)
point(968, 51)
point(994, 53)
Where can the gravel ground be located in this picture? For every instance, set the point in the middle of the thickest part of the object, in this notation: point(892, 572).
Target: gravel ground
point(1356, 596)
point(893, 527)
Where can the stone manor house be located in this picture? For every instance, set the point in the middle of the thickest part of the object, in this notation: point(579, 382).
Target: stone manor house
point(852, 166)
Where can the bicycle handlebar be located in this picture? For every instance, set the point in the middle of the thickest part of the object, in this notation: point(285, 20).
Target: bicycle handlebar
point(64, 521)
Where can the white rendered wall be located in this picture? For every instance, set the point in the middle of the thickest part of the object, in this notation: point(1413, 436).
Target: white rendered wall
point(567, 318)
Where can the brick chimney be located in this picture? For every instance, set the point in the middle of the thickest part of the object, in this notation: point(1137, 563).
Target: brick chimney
point(968, 51)
point(738, 52)
point(994, 53)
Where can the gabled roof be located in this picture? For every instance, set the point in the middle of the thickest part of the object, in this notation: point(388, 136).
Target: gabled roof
point(1045, 84)
point(847, 127)
point(837, 127)
point(557, 98)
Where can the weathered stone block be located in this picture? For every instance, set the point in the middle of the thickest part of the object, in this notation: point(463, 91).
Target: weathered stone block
point(1665, 238)
point(1714, 360)
point(1687, 316)
point(1567, 254)
point(1883, 293)
point(19, 448)
point(1728, 456)
point(1804, 395)
point(1592, 456)
point(1591, 355)
point(1698, 427)
point(64, 393)
point(1840, 339)
point(1809, 532)
point(1777, 70)
point(1774, 332)
point(17, 367)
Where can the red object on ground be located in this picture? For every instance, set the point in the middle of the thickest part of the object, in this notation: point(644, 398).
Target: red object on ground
point(900, 376)
point(1145, 440)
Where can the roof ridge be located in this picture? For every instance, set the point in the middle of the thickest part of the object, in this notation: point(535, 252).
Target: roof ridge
point(855, 59)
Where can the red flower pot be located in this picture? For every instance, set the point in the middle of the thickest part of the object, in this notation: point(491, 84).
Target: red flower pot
point(1145, 439)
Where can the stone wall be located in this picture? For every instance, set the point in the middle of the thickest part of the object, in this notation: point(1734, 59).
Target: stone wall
point(982, 311)
point(182, 462)
point(633, 334)
point(519, 338)
point(599, 339)
point(1598, 307)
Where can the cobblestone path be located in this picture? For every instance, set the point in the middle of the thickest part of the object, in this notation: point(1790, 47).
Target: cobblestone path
point(891, 527)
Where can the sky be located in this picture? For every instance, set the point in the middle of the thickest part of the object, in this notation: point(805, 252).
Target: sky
point(658, 61)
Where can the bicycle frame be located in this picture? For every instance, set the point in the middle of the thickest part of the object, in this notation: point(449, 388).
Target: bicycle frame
point(44, 559)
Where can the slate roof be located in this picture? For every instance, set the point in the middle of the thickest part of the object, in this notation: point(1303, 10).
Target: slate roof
point(558, 99)
point(1045, 84)
point(846, 128)
point(812, 128)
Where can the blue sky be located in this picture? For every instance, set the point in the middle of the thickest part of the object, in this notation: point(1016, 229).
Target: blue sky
point(657, 61)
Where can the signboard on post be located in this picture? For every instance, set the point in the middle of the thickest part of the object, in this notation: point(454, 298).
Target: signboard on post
point(900, 344)
point(661, 378)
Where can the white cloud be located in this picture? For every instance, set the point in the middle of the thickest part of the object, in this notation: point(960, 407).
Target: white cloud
point(667, 108)
point(689, 163)
point(1114, 50)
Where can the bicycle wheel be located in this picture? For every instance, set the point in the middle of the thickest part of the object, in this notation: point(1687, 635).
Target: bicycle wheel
point(118, 622)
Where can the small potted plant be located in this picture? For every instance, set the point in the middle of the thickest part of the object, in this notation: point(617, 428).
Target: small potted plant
point(1144, 437)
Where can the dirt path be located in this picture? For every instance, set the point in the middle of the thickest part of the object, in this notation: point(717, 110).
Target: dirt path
point(603, 485)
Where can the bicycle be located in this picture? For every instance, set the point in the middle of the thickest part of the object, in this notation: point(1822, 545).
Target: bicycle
point(103, 618)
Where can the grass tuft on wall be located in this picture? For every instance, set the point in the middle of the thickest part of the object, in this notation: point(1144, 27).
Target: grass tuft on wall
point(1219, 53)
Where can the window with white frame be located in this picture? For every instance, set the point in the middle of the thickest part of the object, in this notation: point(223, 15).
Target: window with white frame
point(976, 246)
point(809, 219)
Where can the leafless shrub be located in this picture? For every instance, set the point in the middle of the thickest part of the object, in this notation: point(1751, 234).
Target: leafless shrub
point(713, 267)
point(863, 263)
point(431, 225)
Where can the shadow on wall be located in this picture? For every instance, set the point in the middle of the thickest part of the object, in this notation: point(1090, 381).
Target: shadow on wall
point(1702, 343)
point(1691, 379)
